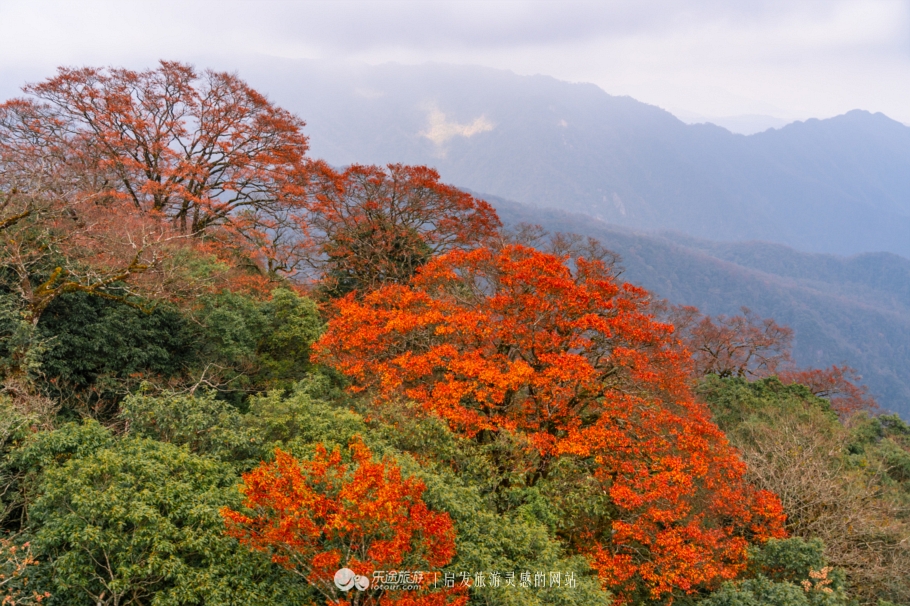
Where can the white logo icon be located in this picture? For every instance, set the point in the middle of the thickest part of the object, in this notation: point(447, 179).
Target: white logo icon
point(346, 579)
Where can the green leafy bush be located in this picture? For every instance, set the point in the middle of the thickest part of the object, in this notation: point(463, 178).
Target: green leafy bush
point(136, 520)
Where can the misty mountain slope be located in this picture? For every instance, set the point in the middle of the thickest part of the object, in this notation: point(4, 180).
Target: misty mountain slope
point(852, 310)
point(840, 185)
point(881, 280)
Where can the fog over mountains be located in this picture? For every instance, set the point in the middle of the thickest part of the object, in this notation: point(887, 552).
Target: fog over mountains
point(840, 185)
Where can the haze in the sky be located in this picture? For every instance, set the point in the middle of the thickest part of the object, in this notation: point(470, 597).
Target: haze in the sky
point(740, 64)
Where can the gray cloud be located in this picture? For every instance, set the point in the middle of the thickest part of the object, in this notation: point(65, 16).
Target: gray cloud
point(712, 57)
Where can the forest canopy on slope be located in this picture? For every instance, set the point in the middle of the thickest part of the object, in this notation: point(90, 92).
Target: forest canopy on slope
point(233, 374)
point(843, 310)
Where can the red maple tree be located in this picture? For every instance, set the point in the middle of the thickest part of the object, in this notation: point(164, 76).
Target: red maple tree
point(373, 225)
point(515, 339)
point(204, 150)
point(733, 346)
point(320, 515)
point(52, 245)
point(837, 384)
point(754, 348)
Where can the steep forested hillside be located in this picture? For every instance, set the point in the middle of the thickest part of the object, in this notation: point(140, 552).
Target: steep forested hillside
point(840, 185)
point(231, 373)
point(853, 310)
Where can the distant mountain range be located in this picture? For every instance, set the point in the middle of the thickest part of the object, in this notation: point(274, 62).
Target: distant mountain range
point(853, 310)
point(744, 124)
point(840, 185)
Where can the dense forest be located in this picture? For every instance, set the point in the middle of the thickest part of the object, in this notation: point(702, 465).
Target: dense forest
point(235, 374)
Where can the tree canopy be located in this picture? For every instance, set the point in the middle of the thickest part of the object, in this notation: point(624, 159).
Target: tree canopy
point(573, 362)
point(230, 372)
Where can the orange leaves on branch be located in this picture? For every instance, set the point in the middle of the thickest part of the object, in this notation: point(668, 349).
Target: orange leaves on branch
point(575, 362)
point(373, 225)
point(684, 514)
point(16, 562)
point(317, 516)
point(508, 338)
point(734, 346)
point(838, 384)
point(754, 348)
point(205, 151)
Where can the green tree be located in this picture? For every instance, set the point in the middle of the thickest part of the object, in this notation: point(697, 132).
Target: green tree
point(246, 345)
point(201, 423)
point(785, 572)
point(135, 521)
point(99, 350)
point(764, 592)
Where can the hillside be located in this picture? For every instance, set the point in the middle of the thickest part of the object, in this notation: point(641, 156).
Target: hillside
point(840, 185)
point(843, 309)
point(441, 418)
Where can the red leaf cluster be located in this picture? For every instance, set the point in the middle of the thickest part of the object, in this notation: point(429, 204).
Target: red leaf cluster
point(751, 347)
point(734, 346)
point(838, 384)
point(372, 225)
point(575, 362)
point(317, 516)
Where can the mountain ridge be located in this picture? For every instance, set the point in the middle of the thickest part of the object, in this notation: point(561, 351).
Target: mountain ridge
point(839, 185)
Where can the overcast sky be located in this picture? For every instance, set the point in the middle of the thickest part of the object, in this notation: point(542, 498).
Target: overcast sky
point(790, 59)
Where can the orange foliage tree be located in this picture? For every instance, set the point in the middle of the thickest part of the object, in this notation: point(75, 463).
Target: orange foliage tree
point(837, 384)
point(372, 225)
point(752, 347)
point(51, 245)
point(517, 339)
point(205, 151)
point(734, 346)
point(318, 516)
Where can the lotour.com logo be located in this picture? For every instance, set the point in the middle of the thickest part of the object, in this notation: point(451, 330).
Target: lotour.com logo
point(346, 580)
